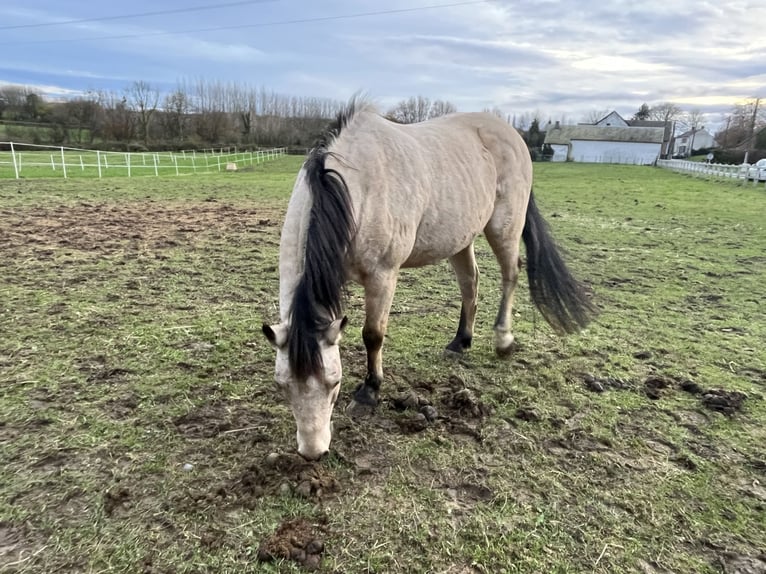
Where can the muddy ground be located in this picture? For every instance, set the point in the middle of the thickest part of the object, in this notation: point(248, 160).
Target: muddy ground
point(141, 431)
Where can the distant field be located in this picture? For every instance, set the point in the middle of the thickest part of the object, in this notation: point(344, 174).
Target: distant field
point(138, 409)
point(33, 163)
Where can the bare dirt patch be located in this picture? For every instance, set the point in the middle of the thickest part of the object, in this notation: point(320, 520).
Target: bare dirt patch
point(211, 419)
point(12, 542)
point(310, 480)
point(273, 475)
point(296, 540)
point(733, 563)
point(723, 401)
point(658, 386)
point(101, 227)
point(116, 499)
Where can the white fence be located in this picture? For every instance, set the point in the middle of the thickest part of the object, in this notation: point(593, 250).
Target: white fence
point(718, 171)
point(29, 160)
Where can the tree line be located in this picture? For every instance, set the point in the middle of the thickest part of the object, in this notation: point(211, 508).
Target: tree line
point(194, 115)
point(743, 131)
point(202, 113)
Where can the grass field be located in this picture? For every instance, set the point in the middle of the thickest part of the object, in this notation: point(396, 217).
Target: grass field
point(137, 411)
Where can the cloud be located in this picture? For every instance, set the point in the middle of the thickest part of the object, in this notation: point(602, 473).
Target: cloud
point(561, 57)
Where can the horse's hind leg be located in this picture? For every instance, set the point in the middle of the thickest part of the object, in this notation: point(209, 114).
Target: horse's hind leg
point(505, 245)
point(378, 295)
point(464, 264)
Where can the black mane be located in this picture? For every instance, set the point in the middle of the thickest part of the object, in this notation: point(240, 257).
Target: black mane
point(318, 297)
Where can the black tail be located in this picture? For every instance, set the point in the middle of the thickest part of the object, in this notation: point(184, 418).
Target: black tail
point(563, 301)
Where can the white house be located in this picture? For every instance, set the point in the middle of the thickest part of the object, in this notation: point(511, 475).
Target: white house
point(606, 144)
point(695, 139)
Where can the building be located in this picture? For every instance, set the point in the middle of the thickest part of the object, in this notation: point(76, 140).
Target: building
point(612, 139)
point(686, 143)
point(606, 144)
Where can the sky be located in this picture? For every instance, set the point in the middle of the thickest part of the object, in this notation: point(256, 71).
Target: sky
point(562, 60)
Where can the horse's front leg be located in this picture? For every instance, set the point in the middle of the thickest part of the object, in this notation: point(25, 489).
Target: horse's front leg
point(378, 295)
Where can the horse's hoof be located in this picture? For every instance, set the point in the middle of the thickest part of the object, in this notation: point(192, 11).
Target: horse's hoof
point(452, 354)
point(359, 410)
point(506, 352)
point(505, 344)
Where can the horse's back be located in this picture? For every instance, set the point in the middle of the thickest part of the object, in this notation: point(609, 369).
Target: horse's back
point(422, 192)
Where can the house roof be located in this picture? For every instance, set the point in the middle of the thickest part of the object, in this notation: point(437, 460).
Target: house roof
point(647, 123)
point(612, 113)
point(565, 134)
point(693, 132)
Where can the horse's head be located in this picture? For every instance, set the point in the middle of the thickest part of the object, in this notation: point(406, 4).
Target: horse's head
point(312, 397)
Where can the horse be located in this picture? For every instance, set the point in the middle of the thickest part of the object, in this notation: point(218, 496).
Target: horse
point(374, 196)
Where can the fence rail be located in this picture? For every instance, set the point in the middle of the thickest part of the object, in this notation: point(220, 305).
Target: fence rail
point(718, 171)
point(30, 160)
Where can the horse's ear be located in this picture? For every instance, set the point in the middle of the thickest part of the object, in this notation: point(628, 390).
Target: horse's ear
point(277, 335)
point(334, 331)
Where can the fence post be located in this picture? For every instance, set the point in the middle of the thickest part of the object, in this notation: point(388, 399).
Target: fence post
point(156, 172)
point(53, 164)
point(127, 160)
point(175, 161)
point(15, 165)
point(63, 161)
point(82, 165)
point(98, 161)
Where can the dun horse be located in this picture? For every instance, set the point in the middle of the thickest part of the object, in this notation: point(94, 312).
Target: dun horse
point(373, 197)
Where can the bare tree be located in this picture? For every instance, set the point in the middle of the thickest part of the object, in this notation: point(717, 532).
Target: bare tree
point(175, 115)
point(143, 98)
point(495, 111)
point(693, 119)
point(119, 119)
point(442, 108)
point(247, 105)
point(34, 107)
point(742, 124)
point(418, 109)
point(13, 99)
point(212, 121)
point(756, 113)
point(83, 116)
point(665, 112)
point(594, 116)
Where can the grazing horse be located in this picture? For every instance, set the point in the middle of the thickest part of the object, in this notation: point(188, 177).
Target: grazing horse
point(374, 196)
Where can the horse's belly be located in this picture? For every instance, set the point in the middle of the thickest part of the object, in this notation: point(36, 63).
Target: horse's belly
point(434, 243)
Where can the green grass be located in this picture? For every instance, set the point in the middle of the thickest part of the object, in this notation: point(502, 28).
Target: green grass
point(130, 345)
